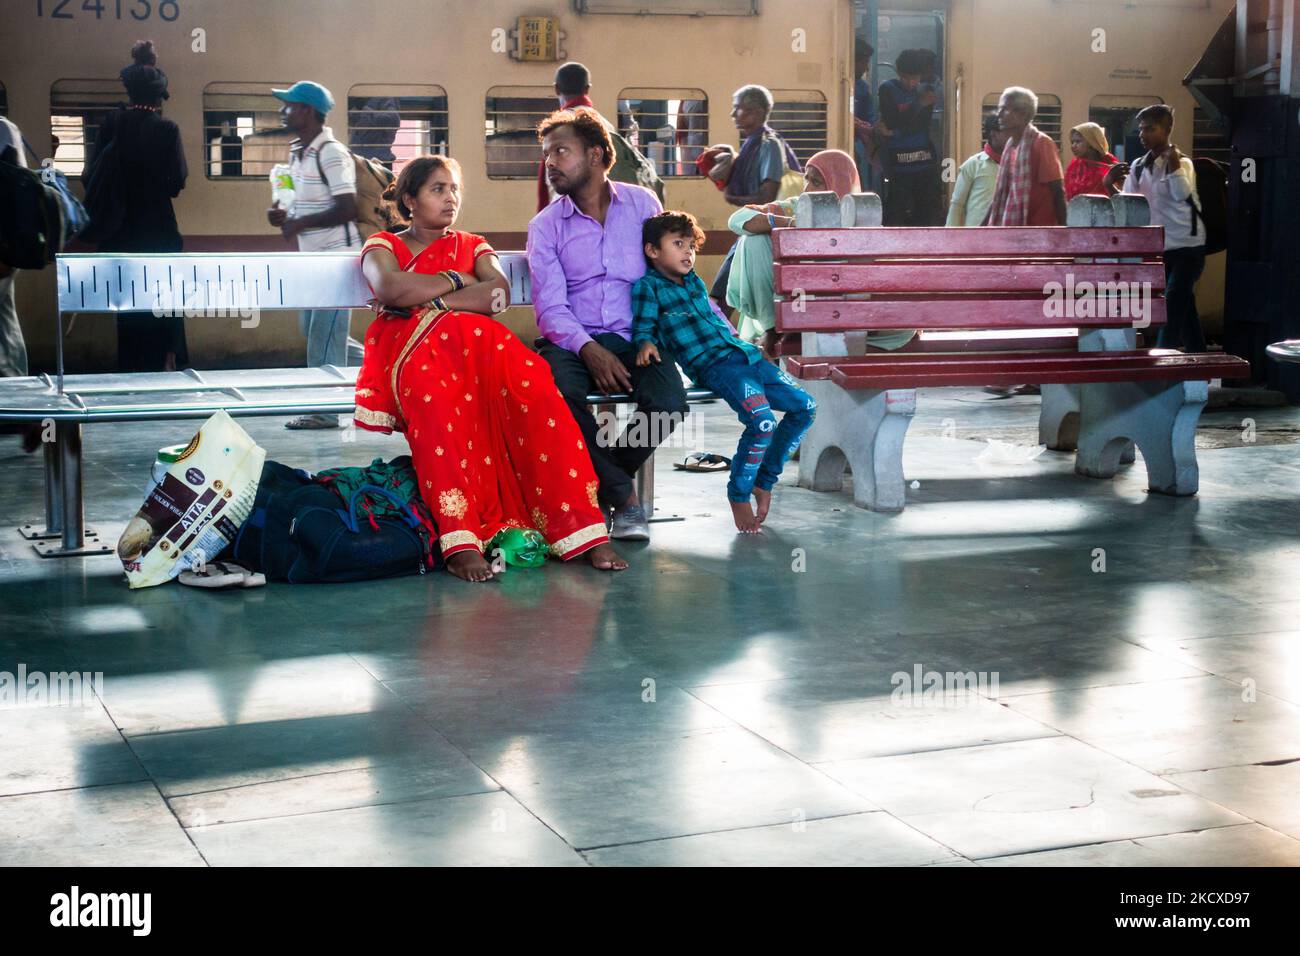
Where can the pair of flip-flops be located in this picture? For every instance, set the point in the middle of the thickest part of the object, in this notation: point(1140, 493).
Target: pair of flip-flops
point(703, 461)
point(220, 575)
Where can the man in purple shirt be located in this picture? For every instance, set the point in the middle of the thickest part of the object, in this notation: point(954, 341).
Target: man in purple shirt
point(584, 254)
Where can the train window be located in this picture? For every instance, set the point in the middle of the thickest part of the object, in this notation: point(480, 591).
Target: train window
point(1117, 115)
point(4, 101)
point(688, 8)
point(77, 108)
point(513, 113)
point(671, 127)
point(800, 117)
point(693, 8)
point(1048, 119)
point(394, 124)
point(242, 133)
point(1209, 138)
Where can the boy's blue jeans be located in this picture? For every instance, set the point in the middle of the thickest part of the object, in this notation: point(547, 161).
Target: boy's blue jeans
point(755, 392)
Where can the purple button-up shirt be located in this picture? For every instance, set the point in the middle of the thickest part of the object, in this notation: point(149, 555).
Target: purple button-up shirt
point(581, 272)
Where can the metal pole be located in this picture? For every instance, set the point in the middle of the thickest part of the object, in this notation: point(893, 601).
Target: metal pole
point(645, 486)
point(53, 488)
point(74, 518)
point(58, 344)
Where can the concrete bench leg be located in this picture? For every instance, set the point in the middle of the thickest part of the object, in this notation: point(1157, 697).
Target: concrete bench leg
point(1058, 422)
point(864, 428)
point(1058, 418)
point(1159, 416)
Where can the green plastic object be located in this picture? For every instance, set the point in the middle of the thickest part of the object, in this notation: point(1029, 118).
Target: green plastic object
point(172, 453)
point(519, 547)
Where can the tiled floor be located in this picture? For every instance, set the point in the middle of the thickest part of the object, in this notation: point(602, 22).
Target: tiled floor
point(726, 701)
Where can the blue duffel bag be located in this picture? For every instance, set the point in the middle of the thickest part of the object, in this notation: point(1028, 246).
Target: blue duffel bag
point(303, 532)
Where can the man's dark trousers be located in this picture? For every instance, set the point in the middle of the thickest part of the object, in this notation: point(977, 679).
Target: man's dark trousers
point(656, 389)
point(1182, 329)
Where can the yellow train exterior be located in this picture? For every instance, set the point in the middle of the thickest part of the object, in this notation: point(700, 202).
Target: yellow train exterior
point(1088, 58)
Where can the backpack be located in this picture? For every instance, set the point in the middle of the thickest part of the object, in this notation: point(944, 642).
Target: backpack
point(630, 166)
point(1209, 202)
point(372, 179)
point(1212, 190)
point(304, 532)
point(39, 217)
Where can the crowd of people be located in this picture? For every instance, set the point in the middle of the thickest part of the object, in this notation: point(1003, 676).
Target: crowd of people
point(500, 432)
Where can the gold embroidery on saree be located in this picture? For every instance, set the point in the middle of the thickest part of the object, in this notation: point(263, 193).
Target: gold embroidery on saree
point(368, 416)
point(587, 535)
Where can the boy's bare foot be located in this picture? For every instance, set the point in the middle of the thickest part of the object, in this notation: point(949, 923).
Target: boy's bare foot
point(764, 499)
point(470, 566)
point(605, 558)
point(746, 522)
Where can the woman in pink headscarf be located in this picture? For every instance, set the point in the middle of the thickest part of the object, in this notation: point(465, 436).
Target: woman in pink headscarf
point(750, 287)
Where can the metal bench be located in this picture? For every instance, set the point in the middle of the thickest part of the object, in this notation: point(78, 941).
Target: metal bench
point(1101, 394)
point(207, 284)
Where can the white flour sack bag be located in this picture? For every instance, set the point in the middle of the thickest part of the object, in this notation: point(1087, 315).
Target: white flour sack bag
point(196, 510)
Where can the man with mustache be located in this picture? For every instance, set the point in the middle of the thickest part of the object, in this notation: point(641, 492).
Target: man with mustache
point(584, 254)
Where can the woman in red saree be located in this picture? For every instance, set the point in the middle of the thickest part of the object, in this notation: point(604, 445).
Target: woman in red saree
point(493, 443)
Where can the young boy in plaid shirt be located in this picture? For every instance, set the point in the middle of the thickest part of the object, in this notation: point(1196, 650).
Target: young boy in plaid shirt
point(671, 309)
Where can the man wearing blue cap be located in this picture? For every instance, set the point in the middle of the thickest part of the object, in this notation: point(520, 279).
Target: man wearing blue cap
point(323, 216)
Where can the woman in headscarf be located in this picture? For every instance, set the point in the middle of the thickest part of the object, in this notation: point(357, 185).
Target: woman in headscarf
point(1092, 159)
point(137, 169)
point(750, 285)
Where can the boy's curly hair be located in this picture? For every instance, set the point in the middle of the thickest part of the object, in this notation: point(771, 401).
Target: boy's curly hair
point(671, 222)
point(586, 125)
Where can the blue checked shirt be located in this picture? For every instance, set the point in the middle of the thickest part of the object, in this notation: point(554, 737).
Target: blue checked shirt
point(682, 320)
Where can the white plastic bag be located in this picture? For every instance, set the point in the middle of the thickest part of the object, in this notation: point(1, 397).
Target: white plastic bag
point(196, 510)
point(282, 189)
point(1008, 453)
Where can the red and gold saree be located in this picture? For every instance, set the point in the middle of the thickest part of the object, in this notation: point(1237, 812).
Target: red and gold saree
point(493, 443)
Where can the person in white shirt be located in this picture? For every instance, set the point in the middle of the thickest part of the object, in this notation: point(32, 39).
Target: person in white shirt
point(972, 194)
point(323, 217)
point(1167, 179)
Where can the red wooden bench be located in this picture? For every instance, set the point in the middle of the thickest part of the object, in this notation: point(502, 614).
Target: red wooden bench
point(1101, 393)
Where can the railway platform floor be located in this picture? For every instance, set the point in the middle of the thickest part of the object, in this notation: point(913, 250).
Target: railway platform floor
point(1133, 662)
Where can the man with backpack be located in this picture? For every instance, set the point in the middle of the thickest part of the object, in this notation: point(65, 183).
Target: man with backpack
point(572, 89)
point(1167, 179)
point(323, 217)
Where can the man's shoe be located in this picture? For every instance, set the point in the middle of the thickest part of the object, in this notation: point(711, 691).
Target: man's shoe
point(630, 524)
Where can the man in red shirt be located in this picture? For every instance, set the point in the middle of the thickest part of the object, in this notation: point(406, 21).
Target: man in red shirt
point(1030, 190)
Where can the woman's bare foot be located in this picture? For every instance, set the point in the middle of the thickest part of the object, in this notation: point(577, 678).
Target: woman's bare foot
point(605, 558)
point(764, 499)
point(746, 522)
point(470, 566)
